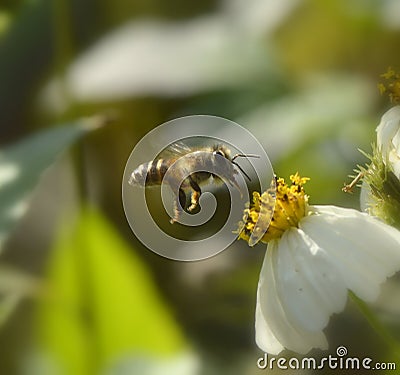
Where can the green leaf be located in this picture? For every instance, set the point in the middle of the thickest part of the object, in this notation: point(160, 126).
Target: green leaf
point(104, 306)
point(22, 164)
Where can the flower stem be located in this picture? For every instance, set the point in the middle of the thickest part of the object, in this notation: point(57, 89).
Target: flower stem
point(376, 324)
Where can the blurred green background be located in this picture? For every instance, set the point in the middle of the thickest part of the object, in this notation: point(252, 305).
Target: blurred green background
point(79, 293)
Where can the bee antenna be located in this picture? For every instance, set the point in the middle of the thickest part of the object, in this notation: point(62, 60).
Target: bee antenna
point(241, 170)
point(245, 156)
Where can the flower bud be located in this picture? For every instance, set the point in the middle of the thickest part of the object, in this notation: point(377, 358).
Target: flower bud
point(380, 192)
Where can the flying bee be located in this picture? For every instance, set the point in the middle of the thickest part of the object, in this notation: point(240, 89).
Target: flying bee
point(191, 169)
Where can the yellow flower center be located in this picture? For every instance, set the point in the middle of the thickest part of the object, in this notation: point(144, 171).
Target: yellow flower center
point(290, 207)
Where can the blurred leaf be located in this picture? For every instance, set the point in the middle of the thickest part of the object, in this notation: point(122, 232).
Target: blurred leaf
point(8, 303)
point(155, 58)
point(223, 50)
point(26, 53)
point(324, 106)
point(16, 282)
point(182, 364)
point(302, 42)
point(14, 285)
point(104, 306)
point(317, 131)
point(22, 164)
point(5, 20)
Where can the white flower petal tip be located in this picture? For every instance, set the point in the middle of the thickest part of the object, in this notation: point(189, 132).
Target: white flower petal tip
point(307, 273)
point(388, 127)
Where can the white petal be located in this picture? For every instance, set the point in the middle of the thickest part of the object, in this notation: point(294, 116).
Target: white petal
point(364, 250)
point(265, 339)
point(387, 129)
point(311, 289)
point(274, 330)
point(394, 159)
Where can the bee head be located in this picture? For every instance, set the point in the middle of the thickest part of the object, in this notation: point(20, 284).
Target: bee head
point(223, 151)
point(239, 167)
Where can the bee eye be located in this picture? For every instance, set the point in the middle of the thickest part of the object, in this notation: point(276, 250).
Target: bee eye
point(219, 152)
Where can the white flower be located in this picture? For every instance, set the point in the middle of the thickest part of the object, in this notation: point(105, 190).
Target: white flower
point(388, 138)
point(307, 272)
point(315, 255)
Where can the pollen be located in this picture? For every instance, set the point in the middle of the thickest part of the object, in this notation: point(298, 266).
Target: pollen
point(287, 205)
point(391, 86)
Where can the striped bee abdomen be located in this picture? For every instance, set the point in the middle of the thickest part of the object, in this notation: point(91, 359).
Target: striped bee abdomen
point(150, 173)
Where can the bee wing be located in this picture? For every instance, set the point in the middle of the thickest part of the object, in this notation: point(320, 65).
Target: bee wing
point(175, 150)
point(267, 206)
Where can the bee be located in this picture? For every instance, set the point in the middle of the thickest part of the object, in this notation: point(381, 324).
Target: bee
point(190, 171)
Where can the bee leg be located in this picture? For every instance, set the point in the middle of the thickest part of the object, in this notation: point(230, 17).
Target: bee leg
point(194, 199)
point(178, 206)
